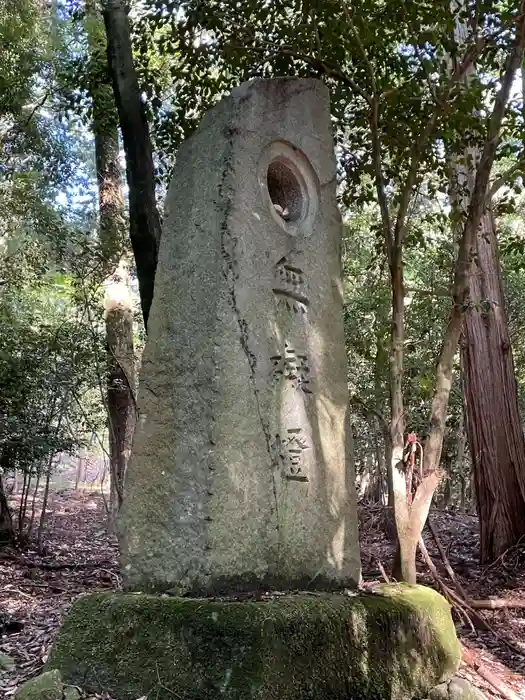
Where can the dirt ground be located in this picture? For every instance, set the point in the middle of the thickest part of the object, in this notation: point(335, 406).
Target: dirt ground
point(36, 591)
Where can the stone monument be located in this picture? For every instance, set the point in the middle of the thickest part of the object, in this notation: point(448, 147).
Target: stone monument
point(241, 476)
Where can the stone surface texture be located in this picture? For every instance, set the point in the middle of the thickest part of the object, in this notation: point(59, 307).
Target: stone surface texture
point(457, 688)
point(462, 689)
point(46, 686)
point(7, 663)
point(71, 692)
point(439, 692)
point(242, 473)
point(393, 644)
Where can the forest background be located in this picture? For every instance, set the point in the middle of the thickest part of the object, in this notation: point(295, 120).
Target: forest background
point(428, 114)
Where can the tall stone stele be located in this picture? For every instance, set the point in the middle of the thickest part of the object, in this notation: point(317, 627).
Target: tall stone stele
point(241, 476)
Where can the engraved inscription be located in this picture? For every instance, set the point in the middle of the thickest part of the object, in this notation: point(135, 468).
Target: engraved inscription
point(292, 366)
point(288, 454)
point(289, 289)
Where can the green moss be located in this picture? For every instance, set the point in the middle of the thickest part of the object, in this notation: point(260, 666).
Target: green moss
point(397, 643)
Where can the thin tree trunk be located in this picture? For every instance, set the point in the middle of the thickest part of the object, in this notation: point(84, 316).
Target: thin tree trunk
point(496, 441)
point(381, 361)
point(121, 384)
point(118, 300)
point(33, 505)
point(460, 458)
point(45, 498)
point(80, 469)
point(410, 517)
point(495, 437)
point(16, 482)
point(413, 519)
point(23, 504)
point(7, 534)
point(405, 564)
point(145, 228)
point(382, 486)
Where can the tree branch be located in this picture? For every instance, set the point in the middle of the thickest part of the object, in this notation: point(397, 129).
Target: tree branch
point(357, 37)
point(441, 107)
point(502, 688)
point(434, 441)
point(36, 107)
point(375, 138)
point(492, 141)
point(504, 178)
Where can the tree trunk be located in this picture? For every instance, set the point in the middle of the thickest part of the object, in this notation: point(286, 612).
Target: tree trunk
point(496, 441)
point(414, 517)
point(460, 459)
point(145, 229)
point(405, 565)
point(33, 506)
point(380, 450)
point(16, 482)
point(409, 517)
point(7, 533)
point(23, 504)
point(81, 460)
point(45, 499)
point(118, 300)
point(121, 381)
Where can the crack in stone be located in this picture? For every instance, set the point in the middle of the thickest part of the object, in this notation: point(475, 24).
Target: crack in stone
point(231, 275)
point(252, 362)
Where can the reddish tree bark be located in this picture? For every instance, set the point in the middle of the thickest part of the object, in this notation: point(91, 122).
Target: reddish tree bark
point(494, 427)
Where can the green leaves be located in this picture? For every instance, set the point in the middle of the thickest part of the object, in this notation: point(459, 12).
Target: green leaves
point(46, 356)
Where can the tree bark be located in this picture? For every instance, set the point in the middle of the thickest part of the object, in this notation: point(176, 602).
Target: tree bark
point(7, 533)
point(380, 450)
point(81, 459)
point(494, 432)
point(33, 505)
point(145, 227)
point(118, 300)
point(460, 459)
point(415, 516)
point(121, 381)
point(405, 562)
point(45, 499)
point(494, 428)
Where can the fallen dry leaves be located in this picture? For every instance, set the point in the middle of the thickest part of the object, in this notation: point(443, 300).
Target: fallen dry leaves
point(37, 591)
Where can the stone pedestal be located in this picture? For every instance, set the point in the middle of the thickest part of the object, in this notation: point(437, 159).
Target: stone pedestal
point(394, 643)
point(241, 475)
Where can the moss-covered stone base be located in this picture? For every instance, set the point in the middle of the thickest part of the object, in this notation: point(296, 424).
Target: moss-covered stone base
point(396, 643)
point(47, 686)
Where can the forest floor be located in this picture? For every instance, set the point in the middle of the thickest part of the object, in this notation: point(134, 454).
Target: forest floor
point(36, 591)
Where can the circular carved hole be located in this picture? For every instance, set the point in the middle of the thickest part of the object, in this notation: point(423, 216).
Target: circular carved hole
point(285, 190)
